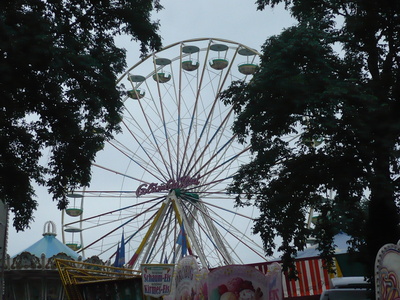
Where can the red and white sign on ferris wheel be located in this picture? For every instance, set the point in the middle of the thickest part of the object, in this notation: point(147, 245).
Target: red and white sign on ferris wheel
point(181, 182)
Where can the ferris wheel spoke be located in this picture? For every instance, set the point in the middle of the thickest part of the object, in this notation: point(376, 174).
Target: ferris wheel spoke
point(168, 233)
point(193, 243)
point(206, 129)
point(114, 211)
point(117, 172)
point(157, 237)
point(148, 155)
point(116, 228)
point(131, 235)
point(228, 229)
point(205, 187)
point(225, 163)
point(213, 235)
point(239, 239)
point(102, 237)
point(150, 233)
point(163, 120)
point(179, 103)
point(142, 164)
point(217, 135)
point(195, 107)
point(153, 135)
point(229, 210)
point(212, 177)
point(215, 151)
point(145, 225)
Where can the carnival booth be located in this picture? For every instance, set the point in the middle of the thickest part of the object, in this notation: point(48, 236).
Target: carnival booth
point(32, 273)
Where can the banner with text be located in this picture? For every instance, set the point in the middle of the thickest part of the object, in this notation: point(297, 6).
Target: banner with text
point(157, 279)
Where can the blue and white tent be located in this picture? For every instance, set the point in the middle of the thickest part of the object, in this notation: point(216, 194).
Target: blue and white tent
point(49, 244)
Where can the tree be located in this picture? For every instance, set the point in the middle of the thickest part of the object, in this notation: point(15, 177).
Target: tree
point(58, 72)
point(331, 82)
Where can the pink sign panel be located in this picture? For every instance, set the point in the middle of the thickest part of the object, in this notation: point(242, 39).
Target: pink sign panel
point(237, 282)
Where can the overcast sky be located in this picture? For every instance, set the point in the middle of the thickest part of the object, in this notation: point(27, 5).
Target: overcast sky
point(235, 20)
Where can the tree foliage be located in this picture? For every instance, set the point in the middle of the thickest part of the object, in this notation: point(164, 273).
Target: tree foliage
point(58, 72)
point(321, 116)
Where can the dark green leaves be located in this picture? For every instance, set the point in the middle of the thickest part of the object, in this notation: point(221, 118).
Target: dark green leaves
point(58, 70)
point(321, 116)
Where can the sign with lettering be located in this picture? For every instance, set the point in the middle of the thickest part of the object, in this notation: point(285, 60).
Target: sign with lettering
point(181, 182)
point(157, 279)
point(190, 283)
point(185, 278)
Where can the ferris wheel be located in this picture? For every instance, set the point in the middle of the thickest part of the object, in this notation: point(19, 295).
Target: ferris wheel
point(161, 182)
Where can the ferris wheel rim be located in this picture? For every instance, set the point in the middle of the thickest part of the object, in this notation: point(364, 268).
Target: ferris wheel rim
point(211, 182)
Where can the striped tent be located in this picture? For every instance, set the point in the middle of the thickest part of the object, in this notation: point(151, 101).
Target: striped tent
point(313, 278)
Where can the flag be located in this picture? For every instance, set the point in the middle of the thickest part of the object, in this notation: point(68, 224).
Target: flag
point(182, 240)
point(120, 255)
point(116, 257)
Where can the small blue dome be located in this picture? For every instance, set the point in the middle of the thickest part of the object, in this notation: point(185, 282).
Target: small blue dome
point(49, 244)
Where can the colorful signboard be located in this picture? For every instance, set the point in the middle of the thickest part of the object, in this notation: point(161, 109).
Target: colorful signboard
point(387, 272)
point(157, 279)
point(185, 278)
point(181, 182)
point(234, 282)
point(237, 282)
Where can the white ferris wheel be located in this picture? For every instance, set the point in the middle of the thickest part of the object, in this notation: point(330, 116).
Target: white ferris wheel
point(171, 164)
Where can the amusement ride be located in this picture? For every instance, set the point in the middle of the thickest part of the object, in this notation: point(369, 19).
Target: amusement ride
point(159, 187)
